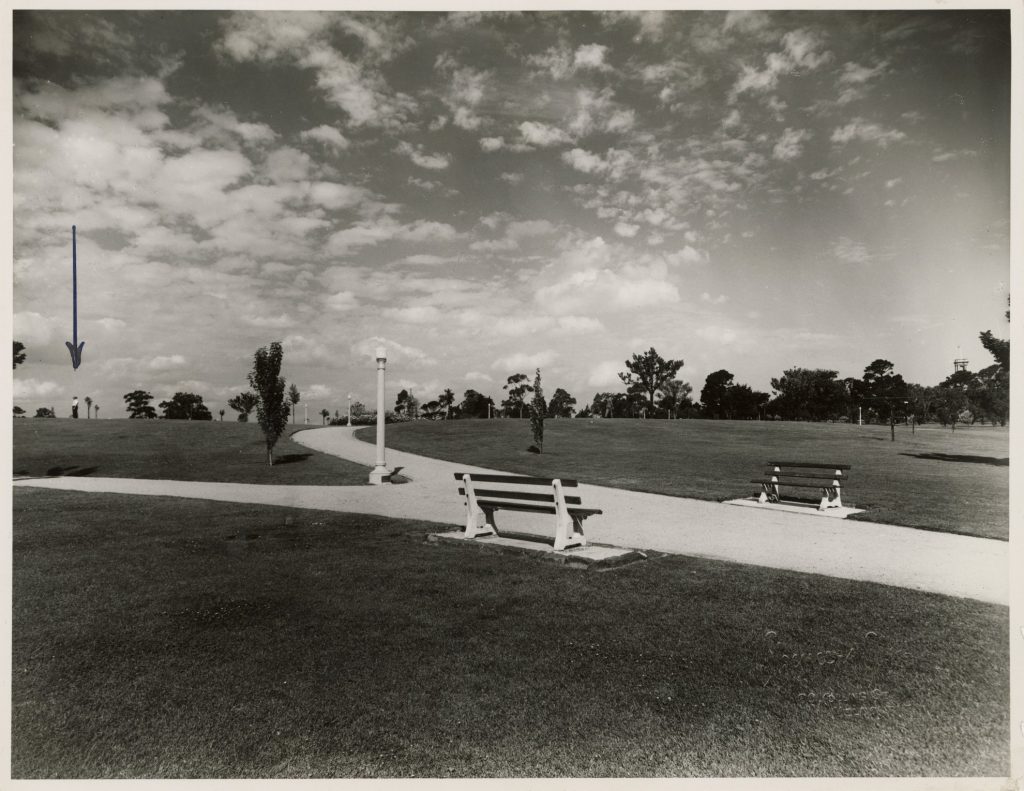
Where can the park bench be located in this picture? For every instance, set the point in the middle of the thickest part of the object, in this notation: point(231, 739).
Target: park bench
point(537, 495)
point(829, 478)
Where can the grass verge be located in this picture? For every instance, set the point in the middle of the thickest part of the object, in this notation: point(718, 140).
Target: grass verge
point(956, 482)
point(161, 637)
point(180, 450)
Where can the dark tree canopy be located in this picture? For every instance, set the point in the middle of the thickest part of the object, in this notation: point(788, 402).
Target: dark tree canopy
point(714, 394)
point(185, 406)
point(648, 372)
point(998, 348)
point(475, 404)
point(518, 385)
point(561, 404)
point(19, 353)
point(138, 404)
point(266, 380)
point(243, 404)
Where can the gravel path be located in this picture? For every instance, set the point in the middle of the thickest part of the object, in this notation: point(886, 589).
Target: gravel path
point(954, 565)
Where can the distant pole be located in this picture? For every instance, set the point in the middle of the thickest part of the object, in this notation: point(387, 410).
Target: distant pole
point(349, 409)
point(860, 416)
point(379, 474)
point(305, 413)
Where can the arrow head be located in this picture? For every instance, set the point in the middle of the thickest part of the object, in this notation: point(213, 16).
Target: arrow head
point(76, 353)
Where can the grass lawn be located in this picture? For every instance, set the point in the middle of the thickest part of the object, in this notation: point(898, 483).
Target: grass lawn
point(180, 450)
point(161, 637)
point(956, 482)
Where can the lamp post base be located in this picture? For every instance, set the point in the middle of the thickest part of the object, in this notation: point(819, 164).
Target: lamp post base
point(379, 475)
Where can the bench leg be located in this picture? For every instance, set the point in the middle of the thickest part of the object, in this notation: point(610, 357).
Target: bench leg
point(568, 528)
point(830, 498)
point(473, 527)
point(769, 493)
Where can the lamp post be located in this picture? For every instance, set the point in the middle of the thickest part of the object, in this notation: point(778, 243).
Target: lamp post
point(380, 474)
point(349, 410)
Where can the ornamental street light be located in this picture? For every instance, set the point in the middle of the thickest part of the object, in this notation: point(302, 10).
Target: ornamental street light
point(380, 474)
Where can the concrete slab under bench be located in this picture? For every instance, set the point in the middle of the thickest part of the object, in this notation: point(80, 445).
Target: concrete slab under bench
point(595, 557)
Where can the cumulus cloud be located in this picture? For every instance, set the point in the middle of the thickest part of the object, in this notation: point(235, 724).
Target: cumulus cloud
point(790, 144)
point(367, 233)
point(626, 229)
point(606, 373)
point(327, 135)
point(35, 388)
point(800, 52)
point(542, 135)
point(590, 56)
point(429, 161)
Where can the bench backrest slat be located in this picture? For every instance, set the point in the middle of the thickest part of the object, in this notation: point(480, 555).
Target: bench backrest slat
point(822, 465)
point(505, 494)
point(517, 480)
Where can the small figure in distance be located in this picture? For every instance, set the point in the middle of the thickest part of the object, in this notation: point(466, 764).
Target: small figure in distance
point(74, 407)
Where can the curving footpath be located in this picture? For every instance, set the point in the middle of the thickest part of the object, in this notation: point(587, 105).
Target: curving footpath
point(976, 568)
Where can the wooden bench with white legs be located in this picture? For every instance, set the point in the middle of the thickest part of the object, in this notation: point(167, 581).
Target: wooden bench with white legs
point(829, 478)
point(523, 493)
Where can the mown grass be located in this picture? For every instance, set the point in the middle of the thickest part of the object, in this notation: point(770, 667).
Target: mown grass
point(936, 479)
point(179, 450)
point(160, 637)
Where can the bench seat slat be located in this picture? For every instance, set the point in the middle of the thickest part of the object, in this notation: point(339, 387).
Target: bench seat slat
point(809, 464)
point(501, 505)
point(536, 496)
point(518, 480)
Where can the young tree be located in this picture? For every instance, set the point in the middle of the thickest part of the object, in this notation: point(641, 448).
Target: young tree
point(19, 353)
point(221, 415)
point(88, 407)
point(185, 406)
point(243, 404)
point(268, 384)
point(138, 405)
point(324, 414)
point(402, 403)
point(517, 386)
point(45, 412)
point(294, 397)
point(648, 372)
point(561, 404)
point(96, 409)
point(538, 408)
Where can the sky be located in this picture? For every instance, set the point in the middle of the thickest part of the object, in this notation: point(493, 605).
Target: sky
point(484, 194)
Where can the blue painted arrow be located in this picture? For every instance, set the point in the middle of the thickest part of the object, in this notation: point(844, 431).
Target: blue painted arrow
point(76, 347)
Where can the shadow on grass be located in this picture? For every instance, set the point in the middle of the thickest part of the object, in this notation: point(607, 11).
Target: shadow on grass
point(73, 471)
point(291, 458)
point(993, 461)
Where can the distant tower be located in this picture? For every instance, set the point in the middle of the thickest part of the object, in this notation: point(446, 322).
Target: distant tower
point(959, 364)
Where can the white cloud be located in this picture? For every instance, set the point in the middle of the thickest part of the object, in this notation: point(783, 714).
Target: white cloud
point(35, 388)
point(579, 324)
point(511, 178)
point(429, 161)
point(521, 361)
point(477, 376)
point(367, 233)
point(342, 300)
point(542, 135)
point(860, 129)
point(790, 145)
point(492, 143)
point(720, 299)
point(327, 135)
point(800, 52)
point(34, 329)
point(626, 230)
point(852, 252)
point(590, 56)
point(892, 183)
point(166, 363)
point(606, 373)
point(415, 314)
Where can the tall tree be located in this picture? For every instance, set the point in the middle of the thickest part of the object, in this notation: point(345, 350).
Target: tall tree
point(648, 373)
point(243, 404)
point(221, 415)
point(45, 412)
point(675, 396)
point(268, 384)
point(19, 353)
point(561, 404)
point(538, 408)
point(475, 404)
point(88, 407)
point(715, 394)
point(998, 348)
point(808, 394)
point(138, 405)
point(294, 397)
point(324, 414)
point(402, 402)
point(431, 410)
point(517, 386)
point(185, 406)
point(447, 400)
